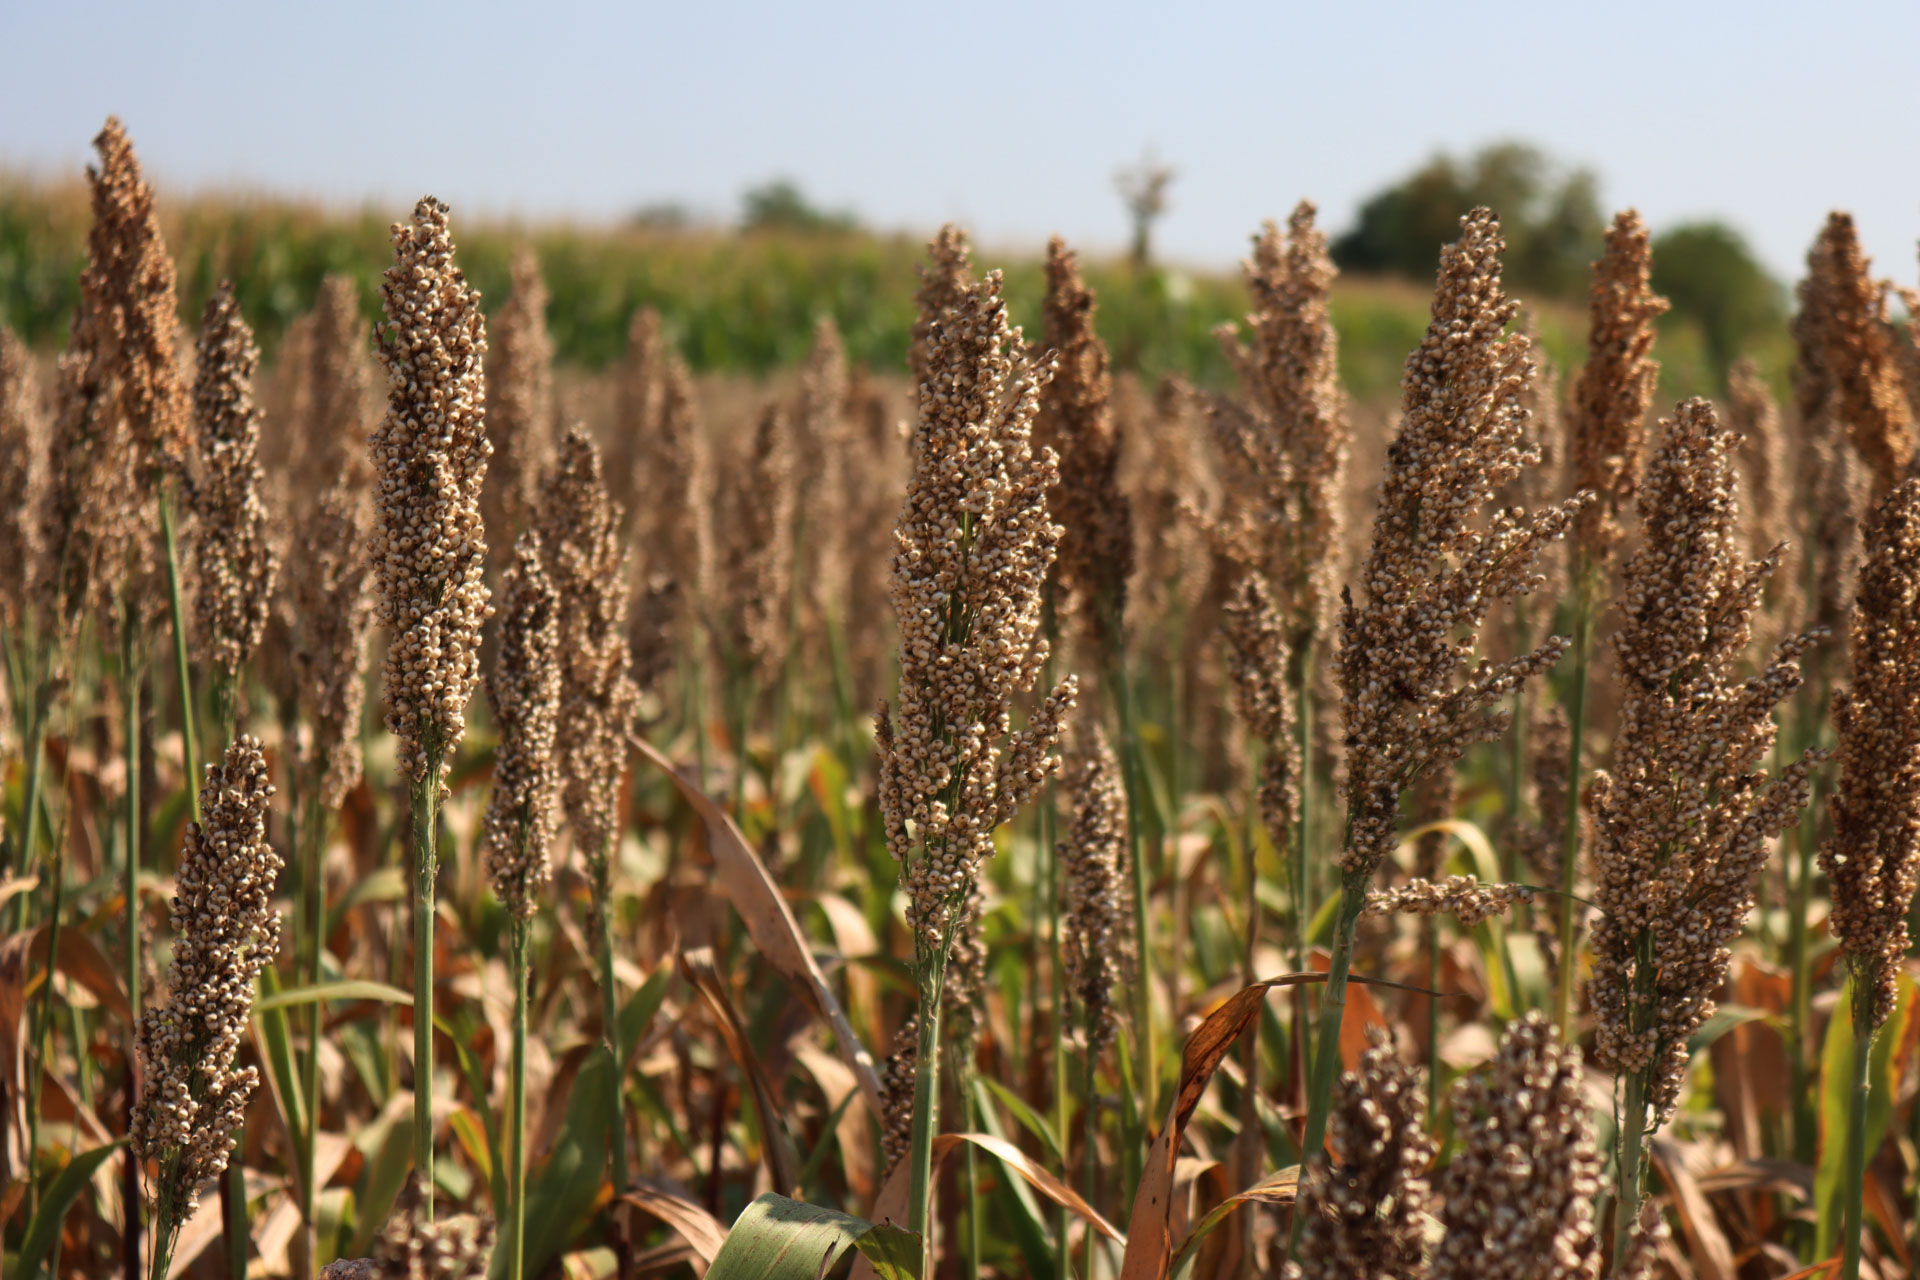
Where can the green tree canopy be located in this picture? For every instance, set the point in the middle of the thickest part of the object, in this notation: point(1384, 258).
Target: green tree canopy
point(1712, 278)
point(1551, 218)
point(780, 205)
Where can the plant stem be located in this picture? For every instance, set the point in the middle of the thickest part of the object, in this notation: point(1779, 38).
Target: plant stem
point(425, 798)
point(42, 1034)
point(602, 873)
point(29, 827)
point(1570, 837)
point(1091, 1158)
point(1146, 1057)
point(1853, 1227)
point(926, 1096)
point(311, 843)
point(1633, 1133)
point(971, 1262)
point(517, 1107)
point(1058, 971)
point(233, 1211)
point(1326, 1036)
point(130, 1183)
point(189, 752)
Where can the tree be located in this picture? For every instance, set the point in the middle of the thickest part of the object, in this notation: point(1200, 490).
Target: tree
point(1143, 188)
point(780, 205)
point(1712, 278)
point(1551, 218)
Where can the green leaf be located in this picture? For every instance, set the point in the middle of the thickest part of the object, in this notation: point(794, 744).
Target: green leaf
point(1029, 1118)
point(1014, 1197)
point(56, 1200)
point(781, 1239)
point(1724, 1019)
point(388, 884)
point(285, 1076)
point(388, 1146)
point(1836, 1088)
point(639, 1013)
point(324, 991)
point(564, 1189)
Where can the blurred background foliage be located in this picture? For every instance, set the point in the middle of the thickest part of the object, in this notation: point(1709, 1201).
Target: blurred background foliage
point(742, 298)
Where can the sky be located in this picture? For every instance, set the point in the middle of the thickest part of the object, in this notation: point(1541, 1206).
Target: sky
point(1008, 118)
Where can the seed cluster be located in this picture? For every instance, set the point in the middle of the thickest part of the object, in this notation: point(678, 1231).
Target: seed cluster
point(1287, 444)
point(1410, 700)
point(1099, 939)
point(234, 556)
point(430, 457)
point(1257, 660)
point(1611, 397)
point(525, 692)
point(1076, 421)
point(23, 480)
point(412, 1247)
point(1872, 859)
point(972, 547)
point(122, 409)
point(896, 1092)
point(226, 932)
point(1520, 1190)
point(1683, 821)
point(1364, 1211)
point(1846, 312)
point(1463, 897)
point(519, 401)
point(580, 533)
point(1767, 494)
point(756, 555)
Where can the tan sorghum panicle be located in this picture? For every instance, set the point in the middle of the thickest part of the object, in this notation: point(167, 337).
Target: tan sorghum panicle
point(1093, 863)
point(413, 1247)
point(1607, 426)
point(672, 490)
point(1537, 487)
point(519, 401)
point(1364, 1212)
point(822, 467)
point(896, 1092)
point(330, 598)
point(973, 544)
point(1650, 1232)
point(1861, 363)
point(1293, 434)
point(1872, 858)
point(1412, 697)
point(23, 479)
point(1684, 819)
point(1169, 480)
point(650, 632)
point(580, 534)
point(945, 283)
point(1257, 658)
point(753, 613)
point(525, 692)
point(126, 245)
point(430, 459)
point(122, 410)
point(1432, 803)
point(1906, 349)
point(1767, 491)
point(1519, 1193)
point(963, 1006)
point(1549, 750)
point(338, 387)
point(1462, 897)
point(234, 560)
point(1076, 421)
point(1832, 478)
point(640, 394)
point(226, 932)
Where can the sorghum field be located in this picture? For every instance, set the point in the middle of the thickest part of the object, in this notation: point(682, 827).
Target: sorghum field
point(1019, 811)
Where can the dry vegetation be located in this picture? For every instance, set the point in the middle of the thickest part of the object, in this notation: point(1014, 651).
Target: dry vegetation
point(1485, 843)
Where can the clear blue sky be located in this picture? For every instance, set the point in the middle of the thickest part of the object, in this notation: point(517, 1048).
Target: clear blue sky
point(1008, 118)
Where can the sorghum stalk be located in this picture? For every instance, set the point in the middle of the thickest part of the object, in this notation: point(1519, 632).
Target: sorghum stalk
point(1872, 857)
point(1585, 587)
point(182, 673)
point(974, 543)
point(429, 556)
point(1410, 699)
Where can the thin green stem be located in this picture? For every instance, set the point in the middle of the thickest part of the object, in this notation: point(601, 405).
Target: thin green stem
point(1146, 1056)
point(424, 795)
point(517, 1107)
point(311, 841)
point(926, 1095)
point(602, 873)
point(1090, 1159)
point(1629, 1168)
point(1303, 834)
point(1853, 1225)
point(1057, 969)
point(970, 1262)
point(189, 752)
point(42, 1033)
point(1326, 1036)
point(233, 1211)
point(1570, 836)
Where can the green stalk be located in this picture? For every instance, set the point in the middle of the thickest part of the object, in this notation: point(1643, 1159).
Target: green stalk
point(1091, 1161)
point(130, 678)
point(1432, 931)
point(926, 1095)
point(233, 1211)
point(517, 1106)
point(190, 756)
point(42, 1034)
point(970, 1268)
point(1806, 1128)
point(1146, 1058)
point(1853, 1226)
point(1633, 1134)
point(424, 796)
point(1302, 838)
point(1058, 970)
point(1326, 1036)
point(1570, 837)
point(29, 827)
point(602, 872)
point(310, 842)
